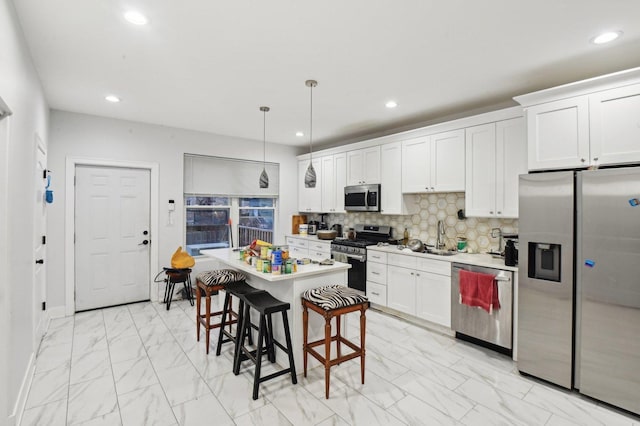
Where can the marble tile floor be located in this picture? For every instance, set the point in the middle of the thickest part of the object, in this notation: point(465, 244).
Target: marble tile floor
point(141, 365)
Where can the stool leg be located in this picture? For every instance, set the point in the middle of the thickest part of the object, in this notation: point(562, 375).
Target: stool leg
point(305, 336)
point(363, 325)
point(338, 336)
point(207, 319)
point(271, 350)
point(172, 286)
point(223, 320)
point(198, 296)
point(287, 336)
point(242, 332)
point(190, 290)
point(327, 354)
point(256, 375)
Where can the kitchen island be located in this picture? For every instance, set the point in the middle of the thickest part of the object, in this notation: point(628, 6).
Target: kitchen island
point(288, 288)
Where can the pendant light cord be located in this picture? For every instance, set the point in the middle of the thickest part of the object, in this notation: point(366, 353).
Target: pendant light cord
point(311, 126)
point(264, 138)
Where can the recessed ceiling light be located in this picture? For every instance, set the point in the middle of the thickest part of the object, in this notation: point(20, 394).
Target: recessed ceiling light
point(112, 98)
point(299, 134)
point(606, 37)
point(391, 104)
point(135, 18)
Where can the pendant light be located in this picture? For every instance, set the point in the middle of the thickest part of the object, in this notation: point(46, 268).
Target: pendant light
point(310, 174)
point(264, 177)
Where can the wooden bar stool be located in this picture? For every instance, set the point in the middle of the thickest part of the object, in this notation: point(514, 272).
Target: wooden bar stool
point(333, 301)
point(209, 283)
point(266, 305)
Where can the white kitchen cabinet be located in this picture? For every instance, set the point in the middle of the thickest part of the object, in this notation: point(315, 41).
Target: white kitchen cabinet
point(309, 247)
point(496, 154)
point(614, 122)
point(558, 134)
point(401, 289)
point(377, 277)
point(334, 176)
point(309, 199)
point(392, 200)
point(320, 249)
point(363, 166)
point(434, 163)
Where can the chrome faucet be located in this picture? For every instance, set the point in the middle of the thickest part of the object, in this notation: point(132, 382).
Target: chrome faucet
point(440, 237)
point(497, 233)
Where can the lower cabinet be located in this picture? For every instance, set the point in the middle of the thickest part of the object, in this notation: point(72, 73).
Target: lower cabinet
point(308, 247)
point(420, 287)
point(377, 277)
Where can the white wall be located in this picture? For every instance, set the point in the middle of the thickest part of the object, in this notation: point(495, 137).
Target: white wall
point(86, 136)
point(21, 91)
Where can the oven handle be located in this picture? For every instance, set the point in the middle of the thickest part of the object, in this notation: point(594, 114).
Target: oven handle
point(358, 257)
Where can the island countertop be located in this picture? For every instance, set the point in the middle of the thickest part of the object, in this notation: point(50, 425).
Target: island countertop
point(232, 259)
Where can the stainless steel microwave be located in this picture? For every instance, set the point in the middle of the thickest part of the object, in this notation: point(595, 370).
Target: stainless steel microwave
point(362, 198)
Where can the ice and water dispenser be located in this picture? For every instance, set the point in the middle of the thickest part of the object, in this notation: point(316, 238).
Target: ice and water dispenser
point(544, 261)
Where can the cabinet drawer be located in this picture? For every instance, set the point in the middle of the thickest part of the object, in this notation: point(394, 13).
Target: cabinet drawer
point(402, 260)
point(377, 272)
point(376, 256)
point(377, 293)
point(319, 246)
point(319, 254)
point(441, 267)
point(297, 252)
point(298, 242)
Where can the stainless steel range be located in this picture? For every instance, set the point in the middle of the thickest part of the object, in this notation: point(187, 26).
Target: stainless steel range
point(355, 251)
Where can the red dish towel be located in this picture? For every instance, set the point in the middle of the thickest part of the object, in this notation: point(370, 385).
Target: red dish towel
point(478, 289)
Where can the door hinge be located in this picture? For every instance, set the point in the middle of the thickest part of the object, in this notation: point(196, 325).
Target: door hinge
point(44, 239)
point(44, 306)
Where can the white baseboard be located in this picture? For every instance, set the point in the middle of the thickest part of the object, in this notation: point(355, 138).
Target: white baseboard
point(57, 312)
point(18, 410)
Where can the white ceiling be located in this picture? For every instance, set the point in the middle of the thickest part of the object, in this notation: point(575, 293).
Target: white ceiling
point(209, 65)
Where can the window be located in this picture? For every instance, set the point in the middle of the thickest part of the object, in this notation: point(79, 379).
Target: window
point(211, 220)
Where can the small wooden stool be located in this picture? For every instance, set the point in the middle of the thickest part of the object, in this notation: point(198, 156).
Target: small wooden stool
point(333, 301)
point(209, 283)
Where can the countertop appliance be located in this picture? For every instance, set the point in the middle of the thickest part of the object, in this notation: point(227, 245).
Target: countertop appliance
point(355, 251)
point(313, 226)
point(495, 329)
point(591, 345)
point(362, 198)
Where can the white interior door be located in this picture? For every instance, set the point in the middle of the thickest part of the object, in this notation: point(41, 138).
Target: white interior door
point(112, 236)
point(5, 324)
point(39, 243)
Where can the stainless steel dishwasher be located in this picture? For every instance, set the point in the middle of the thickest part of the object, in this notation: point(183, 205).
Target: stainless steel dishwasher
point(471, 323)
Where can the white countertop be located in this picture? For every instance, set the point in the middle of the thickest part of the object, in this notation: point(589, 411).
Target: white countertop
point(232, 259)
point(480, 259)
point(307, 237)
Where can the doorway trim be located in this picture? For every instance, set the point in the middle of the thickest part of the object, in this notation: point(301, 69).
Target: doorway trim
point(69, 220)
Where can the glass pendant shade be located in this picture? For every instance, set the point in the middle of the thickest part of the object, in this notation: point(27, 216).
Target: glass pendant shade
point(310, 174)
point(264, 177)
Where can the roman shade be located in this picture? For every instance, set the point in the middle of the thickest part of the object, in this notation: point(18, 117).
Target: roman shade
point(205, 175)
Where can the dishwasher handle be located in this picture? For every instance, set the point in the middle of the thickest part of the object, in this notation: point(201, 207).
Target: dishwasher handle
point(500, 276)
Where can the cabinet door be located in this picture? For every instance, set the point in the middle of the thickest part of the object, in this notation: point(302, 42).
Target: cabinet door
point(447, 161)
point(480, 192)
point(416, 161)
point(328, 187)
point(340, 181)
point(309, 199)
point(355, 164)
point(391, 179)
point(615, 125)
point(371, 165)
point(511, 155)
point(401, 289)
point(433, 298)
point(558, 134)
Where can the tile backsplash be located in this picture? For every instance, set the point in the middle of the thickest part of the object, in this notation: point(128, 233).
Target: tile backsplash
point(423, 225)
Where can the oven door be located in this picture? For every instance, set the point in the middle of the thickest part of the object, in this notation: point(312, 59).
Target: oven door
point(358, 272)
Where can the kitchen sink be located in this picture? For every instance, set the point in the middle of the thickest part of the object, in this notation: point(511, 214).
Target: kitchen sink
point(439, 252)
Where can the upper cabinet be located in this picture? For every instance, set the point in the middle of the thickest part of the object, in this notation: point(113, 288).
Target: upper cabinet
point(363, 166)
point(309, 199)
point(587, 123)
point(496, 156)
point(434, 163)
point(392, 200)
point(334, 178)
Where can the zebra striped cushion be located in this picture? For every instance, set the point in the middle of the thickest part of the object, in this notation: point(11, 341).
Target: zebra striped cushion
point(333, 297)
point(220, 276)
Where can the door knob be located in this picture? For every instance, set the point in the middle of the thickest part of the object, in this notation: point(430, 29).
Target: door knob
point(144, 243)
point(40, 261)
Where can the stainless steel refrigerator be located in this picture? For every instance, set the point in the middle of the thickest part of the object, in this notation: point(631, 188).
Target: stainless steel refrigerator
point(579, 282)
